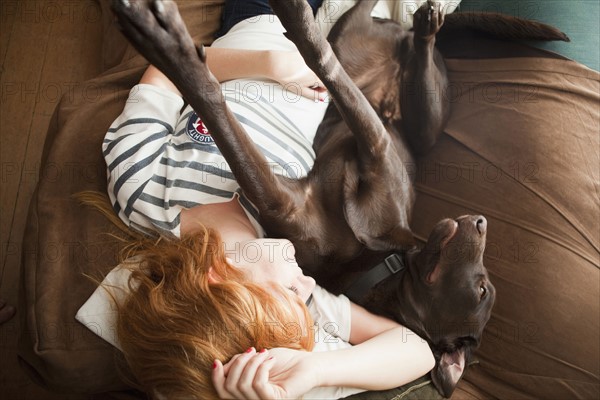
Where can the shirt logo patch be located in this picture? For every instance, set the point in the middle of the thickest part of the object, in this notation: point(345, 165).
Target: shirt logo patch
point(197, 131)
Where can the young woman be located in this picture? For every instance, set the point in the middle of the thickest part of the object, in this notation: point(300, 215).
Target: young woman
point(218, 300)
point(194, 323)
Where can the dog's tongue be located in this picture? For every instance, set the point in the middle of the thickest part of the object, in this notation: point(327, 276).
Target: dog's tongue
point(448, 371)
point(454, 363)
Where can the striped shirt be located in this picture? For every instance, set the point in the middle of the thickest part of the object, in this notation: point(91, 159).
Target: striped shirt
point(161, 159)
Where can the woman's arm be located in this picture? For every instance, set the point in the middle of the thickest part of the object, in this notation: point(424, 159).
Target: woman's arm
point(284, 67)
point(365, 325)
point(386, 355)
point(153, 76)
point(390, 359)
point(133, 148)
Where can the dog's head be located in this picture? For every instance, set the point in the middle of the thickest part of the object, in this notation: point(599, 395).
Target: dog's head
point(453, 295)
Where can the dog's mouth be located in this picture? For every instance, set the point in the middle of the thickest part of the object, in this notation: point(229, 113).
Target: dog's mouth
point(451, 345)
point(448, 371)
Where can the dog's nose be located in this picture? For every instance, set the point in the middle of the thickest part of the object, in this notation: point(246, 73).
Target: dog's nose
point(481, 224)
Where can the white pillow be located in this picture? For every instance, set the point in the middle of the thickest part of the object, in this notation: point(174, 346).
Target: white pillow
point(99, 312)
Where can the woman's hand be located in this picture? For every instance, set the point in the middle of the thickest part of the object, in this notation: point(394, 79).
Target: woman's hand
point(289, 69)
point(274, 374)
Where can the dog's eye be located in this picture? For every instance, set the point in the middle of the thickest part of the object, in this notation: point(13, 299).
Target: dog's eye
point(482, 291)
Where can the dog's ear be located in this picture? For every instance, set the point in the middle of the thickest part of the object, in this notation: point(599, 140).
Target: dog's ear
point(434, 274)
point(404, 236)
point(448, 370)
point(400, 237)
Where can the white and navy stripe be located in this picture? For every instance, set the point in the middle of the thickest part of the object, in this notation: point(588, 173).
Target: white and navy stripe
point(156, 169)
point(160, 159)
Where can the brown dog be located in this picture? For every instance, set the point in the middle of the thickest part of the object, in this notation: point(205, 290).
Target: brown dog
point(352, 210)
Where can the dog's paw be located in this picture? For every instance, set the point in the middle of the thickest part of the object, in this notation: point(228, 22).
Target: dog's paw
point(156, 30)
point(428, 20)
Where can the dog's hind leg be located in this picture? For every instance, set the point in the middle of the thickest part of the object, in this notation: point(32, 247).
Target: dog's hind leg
point(425, 106)
point(374, 180)
point(157, 31)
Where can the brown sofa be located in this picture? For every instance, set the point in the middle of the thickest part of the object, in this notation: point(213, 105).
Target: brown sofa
point(522, 148)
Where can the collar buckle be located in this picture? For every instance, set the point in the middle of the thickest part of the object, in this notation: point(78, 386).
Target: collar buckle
point(391, 265)
point(394, 263)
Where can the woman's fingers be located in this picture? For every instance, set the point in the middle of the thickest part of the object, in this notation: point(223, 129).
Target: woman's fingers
point(247, 382)
point(290, 70)
point(235, 372)
point(314, 93)
point(245, 376)
point(314, 88)
point(229, 363)
point(263, 388)
point(218, 378)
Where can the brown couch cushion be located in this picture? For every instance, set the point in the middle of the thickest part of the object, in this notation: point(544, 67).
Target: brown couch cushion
point(521, 148)
point(64, 242)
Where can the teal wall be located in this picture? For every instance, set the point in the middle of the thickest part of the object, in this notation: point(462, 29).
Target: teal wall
point(580, 20)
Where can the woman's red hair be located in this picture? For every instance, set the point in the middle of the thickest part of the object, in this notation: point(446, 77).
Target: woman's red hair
point(178, 320)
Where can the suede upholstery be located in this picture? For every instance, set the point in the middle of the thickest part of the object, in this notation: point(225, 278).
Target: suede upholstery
point(521, 148)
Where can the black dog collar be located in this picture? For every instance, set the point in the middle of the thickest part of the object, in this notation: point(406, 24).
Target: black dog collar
point(388, 267)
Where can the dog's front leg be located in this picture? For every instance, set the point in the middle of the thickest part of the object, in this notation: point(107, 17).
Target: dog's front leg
point(157, 31)
point(425, 107)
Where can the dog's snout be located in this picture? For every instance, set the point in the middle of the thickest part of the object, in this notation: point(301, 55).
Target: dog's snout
point(481, 224)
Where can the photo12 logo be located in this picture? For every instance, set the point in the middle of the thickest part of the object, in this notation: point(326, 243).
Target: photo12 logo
point(197, 131)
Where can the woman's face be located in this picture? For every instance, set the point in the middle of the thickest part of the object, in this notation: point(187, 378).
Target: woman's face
point(271, 261)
